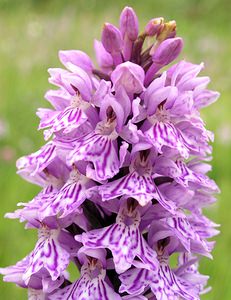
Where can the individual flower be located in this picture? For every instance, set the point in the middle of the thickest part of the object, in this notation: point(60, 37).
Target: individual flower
point(123, 239)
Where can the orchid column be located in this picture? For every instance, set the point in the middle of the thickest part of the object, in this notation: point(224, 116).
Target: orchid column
point(122, 174)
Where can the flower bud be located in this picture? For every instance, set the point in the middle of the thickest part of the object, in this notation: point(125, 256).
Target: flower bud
point(129, 23)
point(168, 31)
point(163, 55)
point(167, 51)
point(111, 38)
point(154, 26)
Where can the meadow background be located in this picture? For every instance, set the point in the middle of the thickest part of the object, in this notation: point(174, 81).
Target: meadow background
point(32, 32)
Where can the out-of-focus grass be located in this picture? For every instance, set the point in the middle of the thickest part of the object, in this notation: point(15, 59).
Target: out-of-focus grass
point(32, 32)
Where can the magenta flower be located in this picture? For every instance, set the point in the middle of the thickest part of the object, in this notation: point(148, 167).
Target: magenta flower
point(123, 173)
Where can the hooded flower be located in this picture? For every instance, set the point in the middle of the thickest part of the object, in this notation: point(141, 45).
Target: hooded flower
point(100, 147)
point(68, 199)
point(48, 255)
point(139, 182)
point(123, 239)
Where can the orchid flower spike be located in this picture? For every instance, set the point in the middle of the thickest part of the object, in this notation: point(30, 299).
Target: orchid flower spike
point(123, 173)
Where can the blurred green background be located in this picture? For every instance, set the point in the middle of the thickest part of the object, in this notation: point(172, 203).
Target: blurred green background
point(32, 32)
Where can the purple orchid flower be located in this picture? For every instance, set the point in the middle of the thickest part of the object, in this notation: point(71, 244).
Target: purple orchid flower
point(123, 173)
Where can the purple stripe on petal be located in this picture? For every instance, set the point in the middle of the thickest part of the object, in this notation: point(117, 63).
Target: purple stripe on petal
point(140, 187)
point(38, 161)
point(165, 134)
point(48, 254)
point(124, 241)
point(100, 150)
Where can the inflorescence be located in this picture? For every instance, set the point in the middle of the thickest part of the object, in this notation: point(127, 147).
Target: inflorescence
point(123, 173)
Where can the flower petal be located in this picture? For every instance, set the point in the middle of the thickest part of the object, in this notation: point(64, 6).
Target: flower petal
point(124, 241)
point(165, 134)
point(164, 284)
point(100, 150)
point(139, 187)
point(38, 161)
point(87, 288)
point(48, 254)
